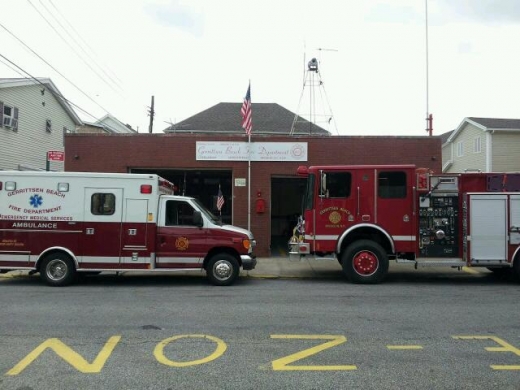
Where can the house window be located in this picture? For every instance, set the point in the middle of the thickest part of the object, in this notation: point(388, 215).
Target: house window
point(48, 126)
point(460, 149)
point(9, 117)
point(477, 145)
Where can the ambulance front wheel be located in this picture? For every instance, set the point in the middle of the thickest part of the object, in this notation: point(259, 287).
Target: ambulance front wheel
point(365, 261)
point(57, 269)
point(223, 269)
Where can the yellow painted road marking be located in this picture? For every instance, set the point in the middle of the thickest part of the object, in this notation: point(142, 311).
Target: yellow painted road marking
point(69, 355)
point(404, 347)
point(282, 364)
point(470, 270)
point(505, 347)
point(159, 351)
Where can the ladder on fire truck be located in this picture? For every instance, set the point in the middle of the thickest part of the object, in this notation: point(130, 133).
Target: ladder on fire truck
point(317, 106)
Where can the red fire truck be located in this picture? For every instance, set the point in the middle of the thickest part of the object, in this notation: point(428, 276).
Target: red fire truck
point(365, 216)
point(67, 224)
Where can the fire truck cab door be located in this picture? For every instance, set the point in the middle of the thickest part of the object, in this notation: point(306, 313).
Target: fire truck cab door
point(394, 209)
point(101, 237)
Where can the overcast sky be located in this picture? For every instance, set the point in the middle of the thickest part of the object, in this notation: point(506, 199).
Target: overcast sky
point(113, 55)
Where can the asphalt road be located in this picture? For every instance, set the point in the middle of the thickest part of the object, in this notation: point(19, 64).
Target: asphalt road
point(424, 330)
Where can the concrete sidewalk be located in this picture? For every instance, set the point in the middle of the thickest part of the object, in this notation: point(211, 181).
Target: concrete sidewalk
point(283, 267)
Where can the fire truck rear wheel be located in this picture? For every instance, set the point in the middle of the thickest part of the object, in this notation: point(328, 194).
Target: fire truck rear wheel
point(58, 269)
point(365, 261)
point(223, 269)
point(516, 267)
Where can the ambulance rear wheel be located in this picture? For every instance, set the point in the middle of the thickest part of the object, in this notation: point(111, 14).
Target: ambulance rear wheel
point(365, 261)
point(222, 269)
point(57, 269)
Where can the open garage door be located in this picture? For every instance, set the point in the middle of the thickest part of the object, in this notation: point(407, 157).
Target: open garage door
point(286, 205)
point(200, 184)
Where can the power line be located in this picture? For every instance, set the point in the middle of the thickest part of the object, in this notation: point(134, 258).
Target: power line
point(52, 67)
point(77, 43)
point(12, 68)
point(72, 48)
point(83, 40)
point(53, 92)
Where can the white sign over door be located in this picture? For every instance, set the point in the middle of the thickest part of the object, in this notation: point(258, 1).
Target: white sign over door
point(260, 151)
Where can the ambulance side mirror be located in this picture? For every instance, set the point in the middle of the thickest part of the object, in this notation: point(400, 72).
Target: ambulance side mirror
point(197, 218)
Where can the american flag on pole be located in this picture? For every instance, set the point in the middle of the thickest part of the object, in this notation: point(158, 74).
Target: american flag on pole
point(220, 199)
point(247, 122)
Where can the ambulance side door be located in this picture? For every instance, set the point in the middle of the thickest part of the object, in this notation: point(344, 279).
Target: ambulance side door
point(102, 228)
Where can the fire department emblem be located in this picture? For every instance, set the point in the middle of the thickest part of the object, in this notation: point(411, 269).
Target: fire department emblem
point(182, 243)
point(334, 217)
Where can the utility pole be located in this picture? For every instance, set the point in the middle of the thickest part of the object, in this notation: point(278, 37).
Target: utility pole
point(151, 113)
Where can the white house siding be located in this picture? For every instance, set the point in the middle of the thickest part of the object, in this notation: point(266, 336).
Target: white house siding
point(114, 125)
point(29, 145)
point(470, 159)
point(506, 151)
point(447, 153)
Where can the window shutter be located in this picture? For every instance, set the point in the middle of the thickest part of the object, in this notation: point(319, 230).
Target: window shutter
point(15, 119)
point(1, 114)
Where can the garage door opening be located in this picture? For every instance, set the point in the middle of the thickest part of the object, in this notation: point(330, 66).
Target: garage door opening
point(201, 184)
point(286, 206)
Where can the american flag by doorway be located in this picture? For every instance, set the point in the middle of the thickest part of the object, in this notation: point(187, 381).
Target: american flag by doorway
point(220, 199)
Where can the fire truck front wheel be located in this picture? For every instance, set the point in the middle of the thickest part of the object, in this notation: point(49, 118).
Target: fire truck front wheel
point(365, 261)
point(57, 269)
point(222, 269)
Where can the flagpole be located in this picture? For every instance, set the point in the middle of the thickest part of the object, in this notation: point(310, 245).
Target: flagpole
point(249, 185)
point(247, 125)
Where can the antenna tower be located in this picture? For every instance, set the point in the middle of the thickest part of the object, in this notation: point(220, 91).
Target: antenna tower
point(314, 103)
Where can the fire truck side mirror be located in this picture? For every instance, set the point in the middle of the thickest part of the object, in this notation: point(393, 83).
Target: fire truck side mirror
point(323, 184)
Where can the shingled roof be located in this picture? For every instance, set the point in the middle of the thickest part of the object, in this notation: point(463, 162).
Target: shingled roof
point(225, 118)
point(485, 124)
point(497, 123)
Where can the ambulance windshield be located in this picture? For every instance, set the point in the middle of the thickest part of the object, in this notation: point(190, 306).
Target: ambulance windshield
point(212, 217)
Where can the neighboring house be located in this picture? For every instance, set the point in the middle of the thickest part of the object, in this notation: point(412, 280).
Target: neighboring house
point(34, 116)
point(482, 144)
point(108, 124)
point(225, 118)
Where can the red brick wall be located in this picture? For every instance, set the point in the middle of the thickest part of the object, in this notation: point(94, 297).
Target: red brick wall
point(121, 152)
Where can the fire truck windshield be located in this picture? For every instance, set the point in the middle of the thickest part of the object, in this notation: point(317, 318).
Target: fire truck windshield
point(309, 193)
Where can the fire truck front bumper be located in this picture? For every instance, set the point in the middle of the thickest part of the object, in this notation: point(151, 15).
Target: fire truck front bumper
point(248, 262)
point(298, 249)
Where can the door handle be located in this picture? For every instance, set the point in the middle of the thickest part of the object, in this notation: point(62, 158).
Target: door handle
point(90, 231)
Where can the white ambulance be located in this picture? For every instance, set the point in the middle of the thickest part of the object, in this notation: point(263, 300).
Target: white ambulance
point(65, 224)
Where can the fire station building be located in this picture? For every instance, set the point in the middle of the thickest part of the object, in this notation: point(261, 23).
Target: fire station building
point(210, 150)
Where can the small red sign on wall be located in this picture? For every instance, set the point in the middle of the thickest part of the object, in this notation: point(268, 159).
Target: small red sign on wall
point(54, 155)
